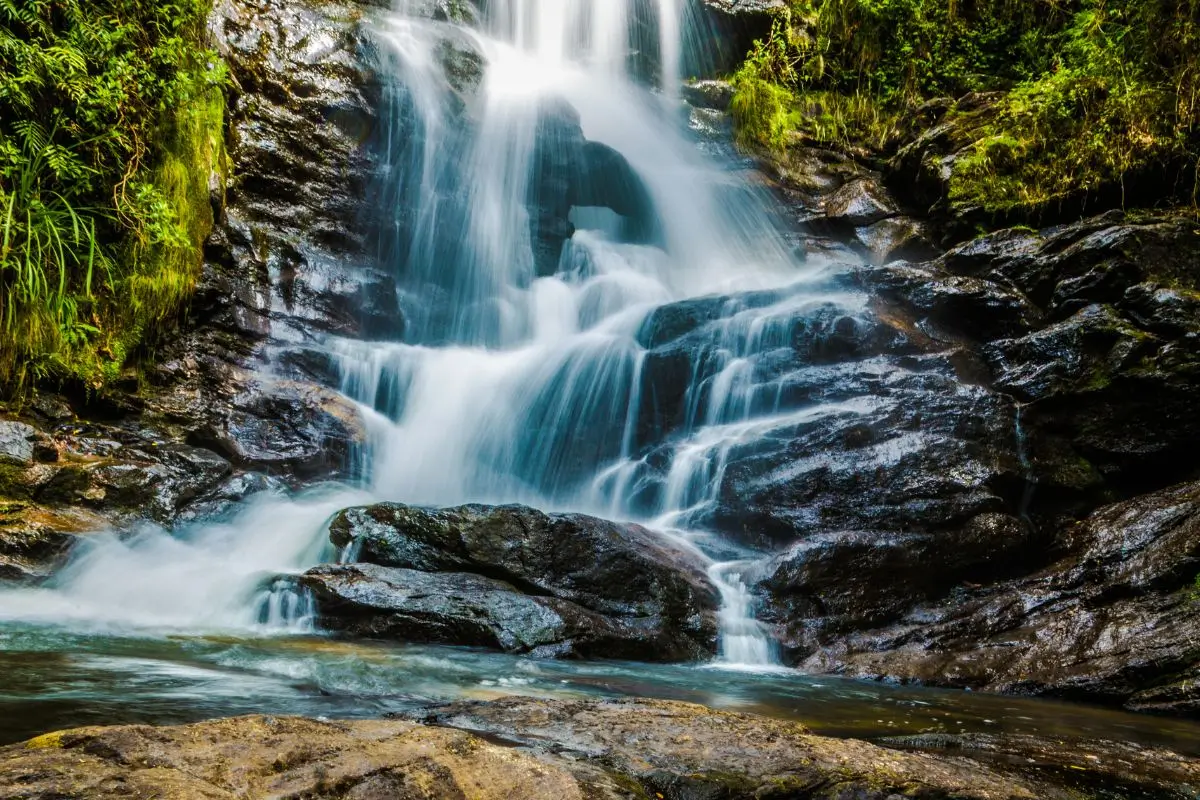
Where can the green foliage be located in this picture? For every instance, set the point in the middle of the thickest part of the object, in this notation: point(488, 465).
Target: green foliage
point(111, 115)
point(773, 100)
point(1087, 94)
point(1120, 102)
point(763, 102)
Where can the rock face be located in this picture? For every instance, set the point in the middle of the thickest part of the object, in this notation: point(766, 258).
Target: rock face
point(1083, 361)
point(570, 750)
point(1114, 620)
point(875, 425)
point(936, 535)
point(515, 579)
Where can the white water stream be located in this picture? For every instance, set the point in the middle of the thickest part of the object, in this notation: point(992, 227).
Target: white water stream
point(528, 389)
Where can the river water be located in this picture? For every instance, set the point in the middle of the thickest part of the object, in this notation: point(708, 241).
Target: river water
point(512, 385)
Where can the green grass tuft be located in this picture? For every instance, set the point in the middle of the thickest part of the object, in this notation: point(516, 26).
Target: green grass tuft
point(111, 124)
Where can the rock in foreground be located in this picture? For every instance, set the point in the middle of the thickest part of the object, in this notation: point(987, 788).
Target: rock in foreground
point(516, 579)
point(599, 750)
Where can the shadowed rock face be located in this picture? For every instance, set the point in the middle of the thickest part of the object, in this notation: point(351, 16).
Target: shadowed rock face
point(571, 171)
point(515, 579)
point(1115, 620)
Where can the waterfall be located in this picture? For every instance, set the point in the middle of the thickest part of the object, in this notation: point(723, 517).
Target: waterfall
point(518, 381)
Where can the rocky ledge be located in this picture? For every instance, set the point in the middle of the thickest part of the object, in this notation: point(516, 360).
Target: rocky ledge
point(540, 749)
point(516, 579)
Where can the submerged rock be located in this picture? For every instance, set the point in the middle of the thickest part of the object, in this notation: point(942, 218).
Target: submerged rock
point(519, 580)
point(569, 750)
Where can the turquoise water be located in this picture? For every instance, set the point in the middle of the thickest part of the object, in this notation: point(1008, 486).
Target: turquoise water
point(55, 678)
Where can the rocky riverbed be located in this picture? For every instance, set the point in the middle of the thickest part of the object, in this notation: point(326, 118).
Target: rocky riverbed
point(525, 748)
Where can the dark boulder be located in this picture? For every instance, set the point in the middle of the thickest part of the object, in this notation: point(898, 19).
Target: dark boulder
point(1121, 398)
point(859, 203)
point(291, 429)
point(954, 305)
point(516, 579)
point(569, 171)
point(897, 239)
point(17, 442)
point(897, 448)
point(710, 94)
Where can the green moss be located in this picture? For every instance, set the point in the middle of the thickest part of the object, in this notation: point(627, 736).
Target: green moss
point(46, 741)
point(13, 485)
point(104, 179)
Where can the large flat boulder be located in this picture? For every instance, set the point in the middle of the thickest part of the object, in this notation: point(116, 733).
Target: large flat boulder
point(528, 749)
point(516, 579)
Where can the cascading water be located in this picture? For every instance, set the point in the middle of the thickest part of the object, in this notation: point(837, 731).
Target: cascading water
point(518, 383)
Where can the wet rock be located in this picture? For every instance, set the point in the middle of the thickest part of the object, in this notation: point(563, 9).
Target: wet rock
point(952, 304)
point(879, 447)
point(16, 443)
point(462, 63)
point(154, 486)
point(747, 6)
point(287, 256)
point(292, 429)
point(571, 171)
point(1080, 352)
point(225, 500)
point(1114, 769)
point(517, 579)
point(852, 580)
point(1121, 397)
point(108, 476)
point(1094, 261)
point(678, 750)
point(471, 610)
point(1165, 310)
point(780, 338)
point(35, 539)
point(858, 204)
point(710, 94)
point(52, 407)
point(897, 239)
point(277, 756)
point(1114, 621)
point(305, 105)
point(670, 322)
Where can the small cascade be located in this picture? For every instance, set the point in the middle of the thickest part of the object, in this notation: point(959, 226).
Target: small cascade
point(286, 607)
point(745, 643)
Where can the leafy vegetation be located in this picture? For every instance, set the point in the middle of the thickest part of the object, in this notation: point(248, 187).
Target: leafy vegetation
point(1073, 96)
point(111, 125)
